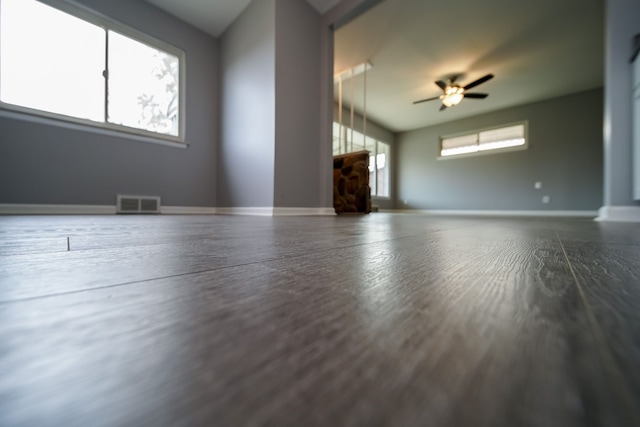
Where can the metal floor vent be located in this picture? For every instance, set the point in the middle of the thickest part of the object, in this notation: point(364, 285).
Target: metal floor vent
point(138, 204)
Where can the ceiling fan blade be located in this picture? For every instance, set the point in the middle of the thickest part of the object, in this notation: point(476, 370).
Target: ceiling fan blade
point(441, 84)
point(476, 95)
point(479, 81)
point(428, 99)
point(443, 107)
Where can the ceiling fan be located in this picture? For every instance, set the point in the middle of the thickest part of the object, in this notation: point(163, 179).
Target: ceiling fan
point(454, 93)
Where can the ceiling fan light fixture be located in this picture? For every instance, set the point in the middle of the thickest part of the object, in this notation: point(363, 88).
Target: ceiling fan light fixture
point(452, 96)
point(454, 93)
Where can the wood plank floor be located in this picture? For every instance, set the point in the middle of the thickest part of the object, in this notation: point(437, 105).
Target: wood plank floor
point(377, 320)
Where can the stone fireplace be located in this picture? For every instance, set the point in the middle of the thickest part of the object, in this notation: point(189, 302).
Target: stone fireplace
point(351, 192)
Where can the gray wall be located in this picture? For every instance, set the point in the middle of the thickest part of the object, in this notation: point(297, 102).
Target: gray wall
point(270, 107)
point(622, 25)
point(565, 153)
point(297, 171)
point(247, 107)
point(45, 164)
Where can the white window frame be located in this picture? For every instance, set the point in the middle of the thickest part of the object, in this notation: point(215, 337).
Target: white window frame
point(89, 15)
point(476, 132)
point(387, 167)
point(347, 147)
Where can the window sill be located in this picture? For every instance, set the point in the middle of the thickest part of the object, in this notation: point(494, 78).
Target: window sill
point(97, 128)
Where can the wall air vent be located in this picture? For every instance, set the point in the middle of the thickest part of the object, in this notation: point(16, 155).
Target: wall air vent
point(138, 204)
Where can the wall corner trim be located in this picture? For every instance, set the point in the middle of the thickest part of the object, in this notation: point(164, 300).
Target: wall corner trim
point(619, 214)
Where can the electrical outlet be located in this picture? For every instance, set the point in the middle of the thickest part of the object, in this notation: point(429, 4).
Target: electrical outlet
point(537, 185)
point(546, 199)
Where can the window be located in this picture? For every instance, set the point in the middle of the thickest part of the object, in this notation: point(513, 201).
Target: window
point(347, 140)
point(81, 67)
point(379, 170)
point(506, 138)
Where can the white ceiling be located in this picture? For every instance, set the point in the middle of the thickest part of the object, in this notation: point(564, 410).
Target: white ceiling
point(214, 16)
point(537, 49)
point(211, 16)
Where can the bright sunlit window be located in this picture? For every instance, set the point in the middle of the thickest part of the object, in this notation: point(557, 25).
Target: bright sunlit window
point(87, 69)
point(347, 140)
point(505, 138)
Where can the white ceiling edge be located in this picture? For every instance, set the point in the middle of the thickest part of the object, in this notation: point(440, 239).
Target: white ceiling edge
point(215, 16)
point(210, 16)
point(323, 5)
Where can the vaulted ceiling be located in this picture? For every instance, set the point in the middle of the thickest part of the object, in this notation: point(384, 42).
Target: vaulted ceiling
point(537, 49)
point(214, 16)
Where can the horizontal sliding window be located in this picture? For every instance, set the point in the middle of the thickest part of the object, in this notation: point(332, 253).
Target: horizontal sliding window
point(501, 138)
point(86, 69)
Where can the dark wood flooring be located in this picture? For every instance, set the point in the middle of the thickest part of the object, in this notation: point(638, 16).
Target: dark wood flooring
point(378, 320)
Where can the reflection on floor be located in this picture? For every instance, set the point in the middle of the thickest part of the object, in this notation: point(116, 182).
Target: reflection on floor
point(398, 320)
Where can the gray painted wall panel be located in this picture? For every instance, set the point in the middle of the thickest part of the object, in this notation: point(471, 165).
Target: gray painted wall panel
point(297, 173)
point(44, 164)
point(247, 108)
point(565, 153)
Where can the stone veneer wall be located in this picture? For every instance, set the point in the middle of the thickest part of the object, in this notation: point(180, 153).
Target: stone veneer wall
point(351, 192)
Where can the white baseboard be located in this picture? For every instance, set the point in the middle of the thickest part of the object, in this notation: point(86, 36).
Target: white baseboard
point(619, 214)
point(29, 209)
point(33, 209)
point(271, 211)
point(304, 211)
point(504, 213)
point(606, 213)
point(266, 211)
point(188, 210)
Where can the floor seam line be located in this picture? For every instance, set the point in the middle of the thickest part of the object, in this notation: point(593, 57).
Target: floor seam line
point(612, 372)
point(134, 282)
